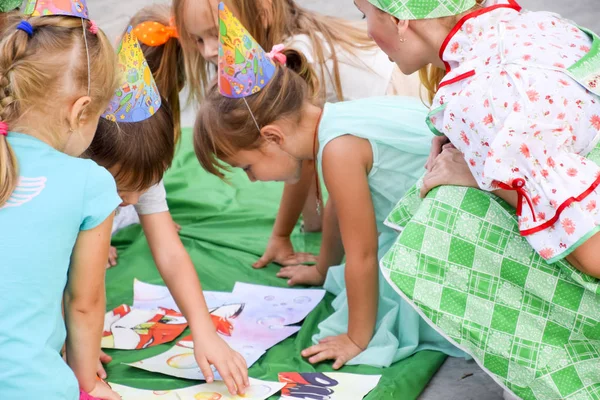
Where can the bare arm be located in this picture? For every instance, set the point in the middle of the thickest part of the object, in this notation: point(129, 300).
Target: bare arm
point(85, 302)
point(177, 270)
point(349, 189)
point(280, 249)
point(332, 248)
point(293, 200)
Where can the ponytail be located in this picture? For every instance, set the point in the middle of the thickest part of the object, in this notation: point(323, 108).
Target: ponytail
point(32, 74)
point(284, 97)
point(165, 61)
point(297, 62)
point(9, 169)
point(12, 50)
point(431, 77)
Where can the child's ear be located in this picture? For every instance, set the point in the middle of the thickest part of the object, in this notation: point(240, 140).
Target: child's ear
point(272, 134)
point(77, 111)
point(401, 25)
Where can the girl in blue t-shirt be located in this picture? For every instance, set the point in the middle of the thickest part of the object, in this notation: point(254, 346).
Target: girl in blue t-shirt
point(57, 74)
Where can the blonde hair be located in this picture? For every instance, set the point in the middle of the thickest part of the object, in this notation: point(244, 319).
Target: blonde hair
point(283, 97)
point(165, 61)
point(286, 19)
point(35, 70)
point(430, 75)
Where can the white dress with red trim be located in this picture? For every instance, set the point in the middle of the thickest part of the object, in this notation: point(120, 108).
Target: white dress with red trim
point(523, 121)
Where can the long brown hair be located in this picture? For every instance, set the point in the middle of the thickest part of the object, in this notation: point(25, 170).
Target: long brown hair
point(286, 19)
point(430, 75)
point(165, 61)
point(224, 126)
point(142, 151)
point(35, 71)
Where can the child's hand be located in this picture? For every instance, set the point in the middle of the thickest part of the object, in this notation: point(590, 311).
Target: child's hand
point(280, 250)
point(302, 275)
point(103, 392)
point(339, 348)
point(450, 168)
point(230, 364)
point(112, 257)
point(103, 359)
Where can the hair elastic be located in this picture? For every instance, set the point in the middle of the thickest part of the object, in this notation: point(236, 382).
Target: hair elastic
point(3, 128)
point(276, 54)
point(93, 27)
point(26, 27)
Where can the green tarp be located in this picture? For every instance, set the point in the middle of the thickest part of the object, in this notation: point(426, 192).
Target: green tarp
point(225, 229)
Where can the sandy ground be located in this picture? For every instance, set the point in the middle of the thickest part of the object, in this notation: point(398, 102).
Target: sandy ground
point(458, 379)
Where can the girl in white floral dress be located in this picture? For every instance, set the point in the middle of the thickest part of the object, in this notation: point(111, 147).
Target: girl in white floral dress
point(519, 100)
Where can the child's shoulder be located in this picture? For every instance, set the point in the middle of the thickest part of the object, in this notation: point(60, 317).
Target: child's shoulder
point(380, 103)
point(376, 110)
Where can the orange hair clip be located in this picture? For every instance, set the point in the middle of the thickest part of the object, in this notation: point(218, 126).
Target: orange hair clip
point(154, 33)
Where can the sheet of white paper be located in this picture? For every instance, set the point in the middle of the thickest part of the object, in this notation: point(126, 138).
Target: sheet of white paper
point(258, 390)
point(180, 362)
point(272, 306)
point(327, 386)
point(148, 296)
point(245, 320)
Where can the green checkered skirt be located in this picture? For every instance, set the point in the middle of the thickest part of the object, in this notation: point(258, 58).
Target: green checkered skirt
point(460, 260)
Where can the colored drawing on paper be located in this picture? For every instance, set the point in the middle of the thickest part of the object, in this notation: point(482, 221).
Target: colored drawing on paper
point(128, 328)
point(243, 320)
point(258, 390)
point(326, 386)
point(180, 361)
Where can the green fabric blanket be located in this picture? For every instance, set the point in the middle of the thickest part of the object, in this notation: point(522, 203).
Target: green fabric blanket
point(225, 229)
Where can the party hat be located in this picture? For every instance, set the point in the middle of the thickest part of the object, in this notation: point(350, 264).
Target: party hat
point(423, 9)
point(137, 98)
point(244, 67)
point(72, 8)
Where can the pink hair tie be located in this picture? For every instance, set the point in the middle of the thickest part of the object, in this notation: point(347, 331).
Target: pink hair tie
point(3, 128)
point(276, 54)
point(93, 27)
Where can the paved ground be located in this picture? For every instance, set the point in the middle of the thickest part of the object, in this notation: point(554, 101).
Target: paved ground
point(458, 379)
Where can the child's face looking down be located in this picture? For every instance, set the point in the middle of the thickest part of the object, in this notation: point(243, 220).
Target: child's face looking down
point(267, 163)
point(201, 21)
point(130, 197)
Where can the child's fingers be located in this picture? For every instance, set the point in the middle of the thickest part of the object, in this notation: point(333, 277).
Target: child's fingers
point(241, 363)
point(262, 262)
point(312, 350)
point(326, 354)
point(206, 369)
point(105, 358)
point(327, 339)
point(238, 377)
point(339, 362)
point(301, 258)
point(287, 272)
point(228, 378)
point(100, 370)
